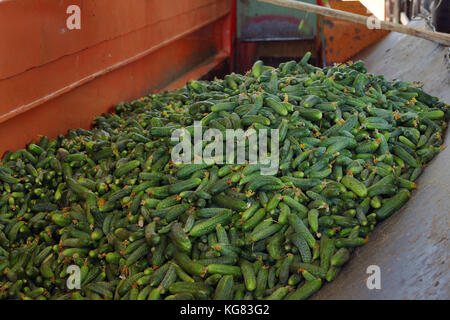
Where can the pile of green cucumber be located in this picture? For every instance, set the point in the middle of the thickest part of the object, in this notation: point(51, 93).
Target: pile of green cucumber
point(110, 200)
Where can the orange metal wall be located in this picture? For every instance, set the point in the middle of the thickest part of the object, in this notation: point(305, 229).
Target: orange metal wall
point(53, 79)
point(342, 39)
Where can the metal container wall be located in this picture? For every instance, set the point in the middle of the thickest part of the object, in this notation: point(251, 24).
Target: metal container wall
point(257, 21)
point(341, 39)
point(53, 79)
point(272, 31)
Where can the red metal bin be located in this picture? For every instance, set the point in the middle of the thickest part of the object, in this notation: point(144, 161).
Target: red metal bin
point(53, 79)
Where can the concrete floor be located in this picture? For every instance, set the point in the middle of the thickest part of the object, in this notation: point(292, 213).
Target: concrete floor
point(411, 247)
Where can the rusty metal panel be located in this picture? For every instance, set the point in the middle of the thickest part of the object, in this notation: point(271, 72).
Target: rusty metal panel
point(258, 21)
point(34, 33)
point(342, 39)
point(51, 81)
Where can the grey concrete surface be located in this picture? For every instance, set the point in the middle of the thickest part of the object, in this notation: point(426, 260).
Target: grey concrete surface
point(411, 247)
